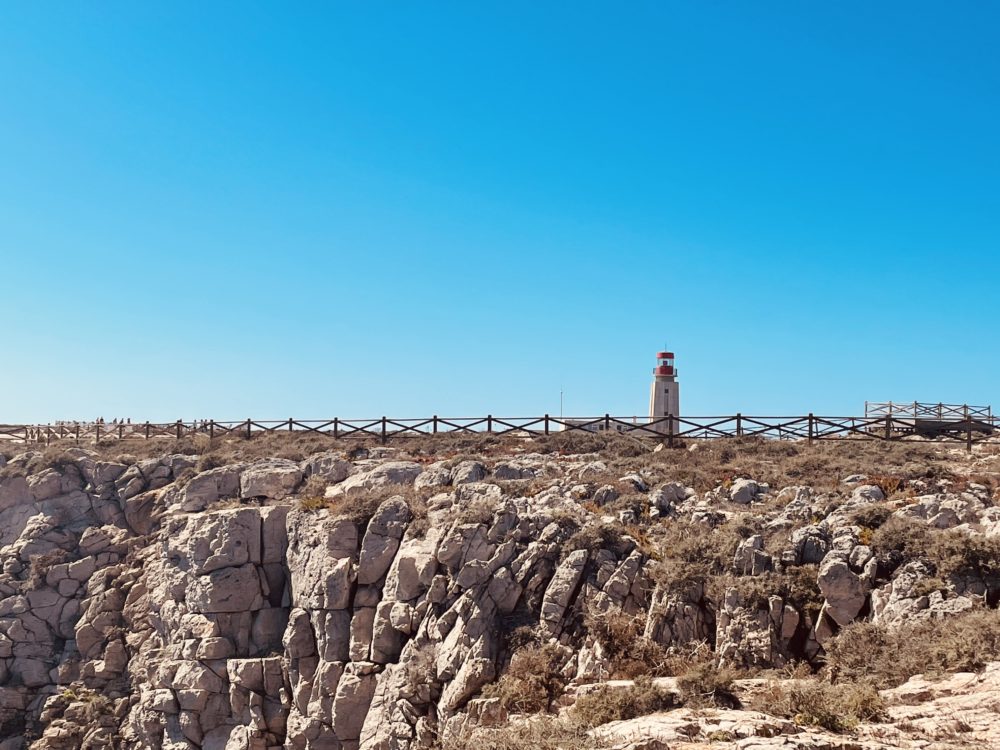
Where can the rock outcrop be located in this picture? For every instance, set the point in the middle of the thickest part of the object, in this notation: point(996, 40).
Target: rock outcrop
point(145, 604)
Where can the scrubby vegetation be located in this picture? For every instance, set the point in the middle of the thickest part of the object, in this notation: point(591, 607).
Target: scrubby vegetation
point(615, 704)
point(533, 680)
point(837, 707)
point(865, 652)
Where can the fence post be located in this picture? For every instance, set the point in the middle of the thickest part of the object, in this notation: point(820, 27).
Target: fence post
point(607, 422)
point(739, 424)
point(968, 440)
point(78, 432)
point(248, 427)
point(812, 428)
point(336, 428)
point(434, 424)
point(178, 427)
point(670, 430)
point(383, 431)
point(290, 420)
point(489, 424)
point(888, 427)
point(211, 429)
point(546, 424)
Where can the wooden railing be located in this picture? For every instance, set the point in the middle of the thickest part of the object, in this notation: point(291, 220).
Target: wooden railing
point(918, 410)
point(670, 429)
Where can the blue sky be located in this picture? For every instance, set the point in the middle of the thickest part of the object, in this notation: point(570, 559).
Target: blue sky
point(223, 210)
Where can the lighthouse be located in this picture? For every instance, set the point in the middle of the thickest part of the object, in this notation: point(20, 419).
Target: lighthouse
point(664, 394)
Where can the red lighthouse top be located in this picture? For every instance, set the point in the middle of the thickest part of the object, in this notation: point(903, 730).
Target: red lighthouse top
point(664, 364)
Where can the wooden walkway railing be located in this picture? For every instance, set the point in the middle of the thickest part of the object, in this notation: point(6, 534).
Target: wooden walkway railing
point(668, 429)
point(918, 410)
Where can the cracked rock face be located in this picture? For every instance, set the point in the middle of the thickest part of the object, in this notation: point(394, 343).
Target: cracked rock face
point(144, 604)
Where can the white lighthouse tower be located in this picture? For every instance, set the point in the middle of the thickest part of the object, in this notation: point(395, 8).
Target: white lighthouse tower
point(665, 393)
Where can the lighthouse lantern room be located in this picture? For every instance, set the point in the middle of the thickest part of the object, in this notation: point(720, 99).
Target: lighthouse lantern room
point(664, 395)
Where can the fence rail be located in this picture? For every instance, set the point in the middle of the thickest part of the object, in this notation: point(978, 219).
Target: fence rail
point(918, 410)
point(968, 429)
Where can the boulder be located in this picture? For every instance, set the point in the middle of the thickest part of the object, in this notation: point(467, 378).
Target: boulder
point(468, 471)
point(384, 475)
point(321, 553)
point(561, 590)
point(226, 590)
point(210, 541)
point(209, 486)
point(273, 479)
point(845, 591)
point(330, 466)
point(744, 491)
point(381, 540)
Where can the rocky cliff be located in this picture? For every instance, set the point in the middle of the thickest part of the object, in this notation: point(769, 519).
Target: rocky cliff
point(395, 597)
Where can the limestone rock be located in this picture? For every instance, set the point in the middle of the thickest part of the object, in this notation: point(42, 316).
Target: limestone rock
point(273, 479)
point(383, 475)
point(845, 591)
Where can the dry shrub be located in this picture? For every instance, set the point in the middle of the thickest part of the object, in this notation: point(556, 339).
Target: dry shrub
point(312, 494)
point(889, 484)
point(312, 502)
point(532, 681)
point(705, 685)
point(953, 553)
point(540, 733)
point(956, 553)
point(866, 652)
point(839, 708)
point(595, 535)
point(314, 486)
point(796, 585)
point(906, 537)
point(871, 516)
point(360, 507)
point(692, 553)
point(628, 651)
point(479, 510)
point(615, 704)
point(39, 565)
point(50, 458)
point(210, 461)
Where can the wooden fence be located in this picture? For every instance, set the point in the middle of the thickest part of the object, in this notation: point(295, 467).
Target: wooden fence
point(671, 430)
point(918, 410)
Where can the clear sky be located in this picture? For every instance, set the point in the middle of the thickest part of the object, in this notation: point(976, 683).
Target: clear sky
point(222, 210)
